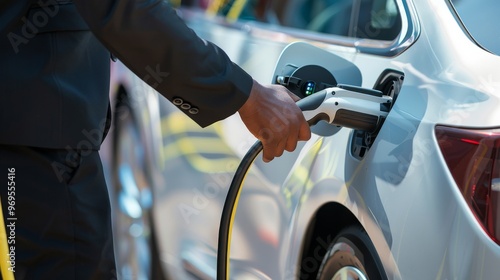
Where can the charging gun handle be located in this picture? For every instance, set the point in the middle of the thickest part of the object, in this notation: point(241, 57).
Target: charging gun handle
point(312, 103)
point(344, 106)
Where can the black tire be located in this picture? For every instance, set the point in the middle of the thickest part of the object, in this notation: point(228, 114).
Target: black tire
point(139, 257)
point(351, 253)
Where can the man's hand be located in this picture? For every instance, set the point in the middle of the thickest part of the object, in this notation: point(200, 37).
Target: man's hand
point(271, 115)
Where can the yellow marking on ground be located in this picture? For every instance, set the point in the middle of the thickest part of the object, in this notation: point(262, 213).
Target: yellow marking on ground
point(193, 147)
point(235, 11)
point(214, 7)
point(196, 145)
point(176, 3)
point(177, 122)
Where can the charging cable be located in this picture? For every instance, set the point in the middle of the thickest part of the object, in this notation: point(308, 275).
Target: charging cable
point(343, 105)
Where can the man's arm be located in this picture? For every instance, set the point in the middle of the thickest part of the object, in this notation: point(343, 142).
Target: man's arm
point(149, 37)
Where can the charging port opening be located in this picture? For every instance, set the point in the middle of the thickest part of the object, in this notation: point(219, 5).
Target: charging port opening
point(389, 83)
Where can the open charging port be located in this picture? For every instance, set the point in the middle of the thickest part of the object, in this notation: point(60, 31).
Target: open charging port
point(389, 83)
point(306, 80)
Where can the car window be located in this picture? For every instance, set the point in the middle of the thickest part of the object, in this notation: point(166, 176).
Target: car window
point(379, 20)
point(366, 19)
point(480, 17)
point(369, 19)
point(325, 16)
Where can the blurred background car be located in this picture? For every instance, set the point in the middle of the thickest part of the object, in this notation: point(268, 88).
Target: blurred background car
point(417, 199)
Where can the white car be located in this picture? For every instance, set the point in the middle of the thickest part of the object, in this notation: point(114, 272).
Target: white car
point(416, 199)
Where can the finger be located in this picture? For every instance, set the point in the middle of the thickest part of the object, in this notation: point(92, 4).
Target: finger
point(291, 144)
point(292, 138)
point(280, 147)
point(267, 138)
point(304, 131)
point(274, 148)
point(266, 153)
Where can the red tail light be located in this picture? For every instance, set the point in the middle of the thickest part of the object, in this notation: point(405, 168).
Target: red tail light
point(473, 157)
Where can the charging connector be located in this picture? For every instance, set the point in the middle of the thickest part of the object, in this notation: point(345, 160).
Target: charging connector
point(347, 106)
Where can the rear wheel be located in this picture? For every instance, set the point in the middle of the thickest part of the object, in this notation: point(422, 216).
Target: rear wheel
point(135, 244)
point(351, 256)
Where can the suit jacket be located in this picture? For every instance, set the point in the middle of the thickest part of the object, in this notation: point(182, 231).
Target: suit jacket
point(54, 67)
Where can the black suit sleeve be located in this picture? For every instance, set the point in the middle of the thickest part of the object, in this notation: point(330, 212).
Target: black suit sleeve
point(150, 39)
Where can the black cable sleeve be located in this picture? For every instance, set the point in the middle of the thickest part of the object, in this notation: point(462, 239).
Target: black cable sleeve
point(227, 210)
point(309, 103)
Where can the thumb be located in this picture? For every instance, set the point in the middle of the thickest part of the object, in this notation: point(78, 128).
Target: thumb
point(293, 96)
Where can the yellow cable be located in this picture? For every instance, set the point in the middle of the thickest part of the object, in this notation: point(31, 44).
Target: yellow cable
point(7, 273)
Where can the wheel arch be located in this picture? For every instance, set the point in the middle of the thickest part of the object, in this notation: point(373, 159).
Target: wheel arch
point(328, 221)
